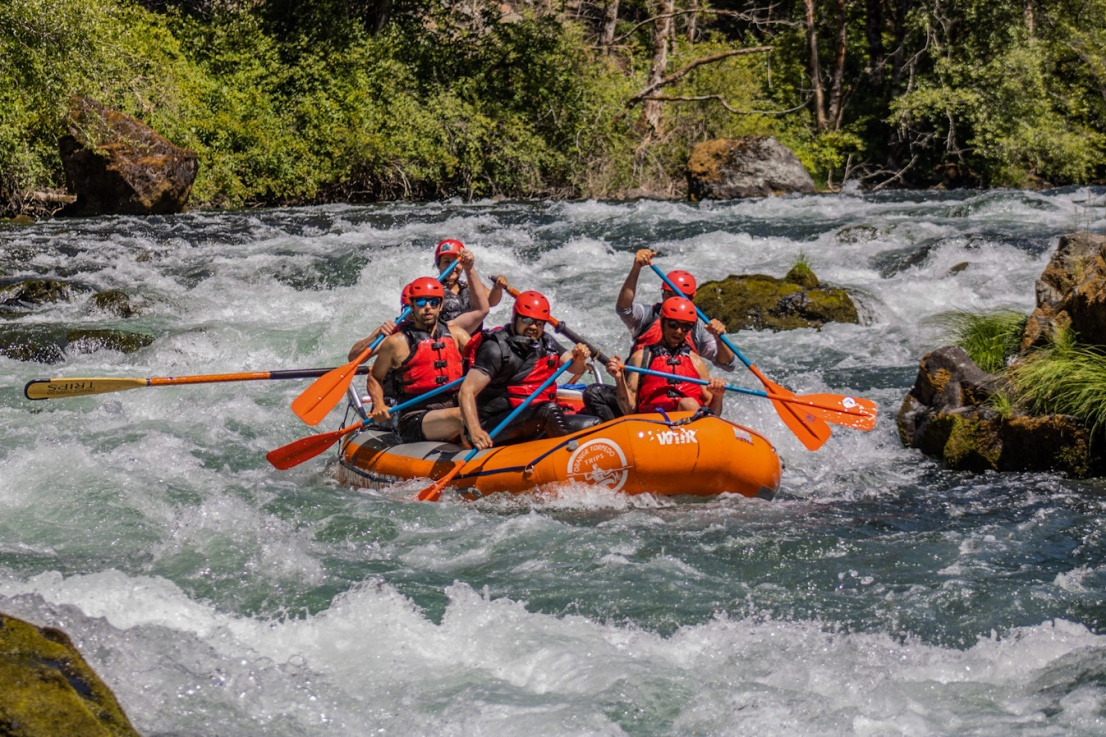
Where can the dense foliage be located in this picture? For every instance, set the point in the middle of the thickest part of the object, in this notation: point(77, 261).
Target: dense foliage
point(289, 102)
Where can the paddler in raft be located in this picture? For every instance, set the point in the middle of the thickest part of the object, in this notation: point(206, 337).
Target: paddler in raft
point(421, 355)
point(463, 313)
point(468, 296)
point(507, 365)
point(643, 323)
point(641, 393)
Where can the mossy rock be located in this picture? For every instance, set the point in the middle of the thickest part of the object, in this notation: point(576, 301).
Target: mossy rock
point(981, 439)
point(31, 292)
point(92, 340)
point(49, 343)
point(47, 689)
point(115, 302)
point(764, 302)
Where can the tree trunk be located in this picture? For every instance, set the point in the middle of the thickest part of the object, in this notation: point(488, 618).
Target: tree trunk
point(837, 88)
point(610, 22)
point(692, 26)
point(815, 68)
point(874, 25)
point(661, 34)
point(898, 54)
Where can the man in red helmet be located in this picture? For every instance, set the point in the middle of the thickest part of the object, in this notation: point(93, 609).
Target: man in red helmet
point(421, 355)
point(462, 313)
point(671, 354)
point(467, 301)
point(508, 365)
point(644, 325)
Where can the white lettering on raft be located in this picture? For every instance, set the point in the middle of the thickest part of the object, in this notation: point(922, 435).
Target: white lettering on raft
point(681, 436)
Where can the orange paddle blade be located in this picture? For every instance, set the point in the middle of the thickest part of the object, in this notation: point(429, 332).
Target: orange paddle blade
point(812, 431)
point(433, 492)
point(855, 412)
point(304, 449)
point(325, 392)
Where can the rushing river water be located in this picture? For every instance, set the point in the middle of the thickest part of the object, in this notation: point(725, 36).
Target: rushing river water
point(878, 594)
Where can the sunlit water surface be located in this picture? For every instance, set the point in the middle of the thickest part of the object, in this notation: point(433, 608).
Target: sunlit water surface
point(877, 595)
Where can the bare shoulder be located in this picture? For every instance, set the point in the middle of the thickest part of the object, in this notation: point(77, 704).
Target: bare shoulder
point(459, 334)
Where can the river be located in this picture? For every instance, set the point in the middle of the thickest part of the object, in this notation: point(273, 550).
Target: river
point(878, 594)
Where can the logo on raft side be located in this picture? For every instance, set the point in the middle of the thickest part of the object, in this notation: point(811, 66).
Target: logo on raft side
point(600, 462)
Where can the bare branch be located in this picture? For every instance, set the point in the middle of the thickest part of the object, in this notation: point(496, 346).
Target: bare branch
point(897, 177)
point(735, 111)
point(676, 76)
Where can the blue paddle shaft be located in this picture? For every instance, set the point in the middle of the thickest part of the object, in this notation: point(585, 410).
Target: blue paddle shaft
point(515, 412)
point(702, 317)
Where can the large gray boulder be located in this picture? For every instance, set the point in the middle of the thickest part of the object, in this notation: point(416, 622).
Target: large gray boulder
point(116, 164)
point(752, 166)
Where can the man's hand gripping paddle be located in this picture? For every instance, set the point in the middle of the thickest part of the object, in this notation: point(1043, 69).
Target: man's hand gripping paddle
point(434, 492)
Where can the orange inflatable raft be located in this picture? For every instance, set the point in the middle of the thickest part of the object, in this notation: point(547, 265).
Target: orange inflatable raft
point(675, 454)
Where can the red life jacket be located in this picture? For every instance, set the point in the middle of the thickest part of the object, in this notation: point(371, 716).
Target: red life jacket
point(527, 366)
point(650, 332)
point(434, 360)
point(656, 393)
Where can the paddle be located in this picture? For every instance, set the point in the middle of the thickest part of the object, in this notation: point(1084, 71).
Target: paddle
point(84, 386)
point(304, 449)
point(433, 492)
point(318, 399)
point(563, 329)
point(811, 431)
point(854, 412)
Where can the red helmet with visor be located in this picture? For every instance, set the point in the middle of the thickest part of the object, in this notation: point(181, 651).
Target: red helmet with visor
point(426, 286)
point(680, 309)
point(448, 247)
point(685, 282)
point(532, 304)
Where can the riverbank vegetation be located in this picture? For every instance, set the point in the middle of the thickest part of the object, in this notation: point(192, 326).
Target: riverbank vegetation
point(289, 103)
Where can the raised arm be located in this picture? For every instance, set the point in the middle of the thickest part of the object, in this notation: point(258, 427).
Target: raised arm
point(643, 257)
point(478, 294)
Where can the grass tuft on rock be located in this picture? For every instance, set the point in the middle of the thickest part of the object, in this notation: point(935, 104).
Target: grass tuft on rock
point(990, 338)
point(1065, 377)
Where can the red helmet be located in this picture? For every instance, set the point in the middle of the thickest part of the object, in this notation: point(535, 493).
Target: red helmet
point(532, 304)
point(683, 280)
point(404, 295)
point(448, 246)
point(425, 286)
point(680, 309)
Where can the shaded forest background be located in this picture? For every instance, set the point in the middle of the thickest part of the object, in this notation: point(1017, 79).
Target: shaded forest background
point(290, 102)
